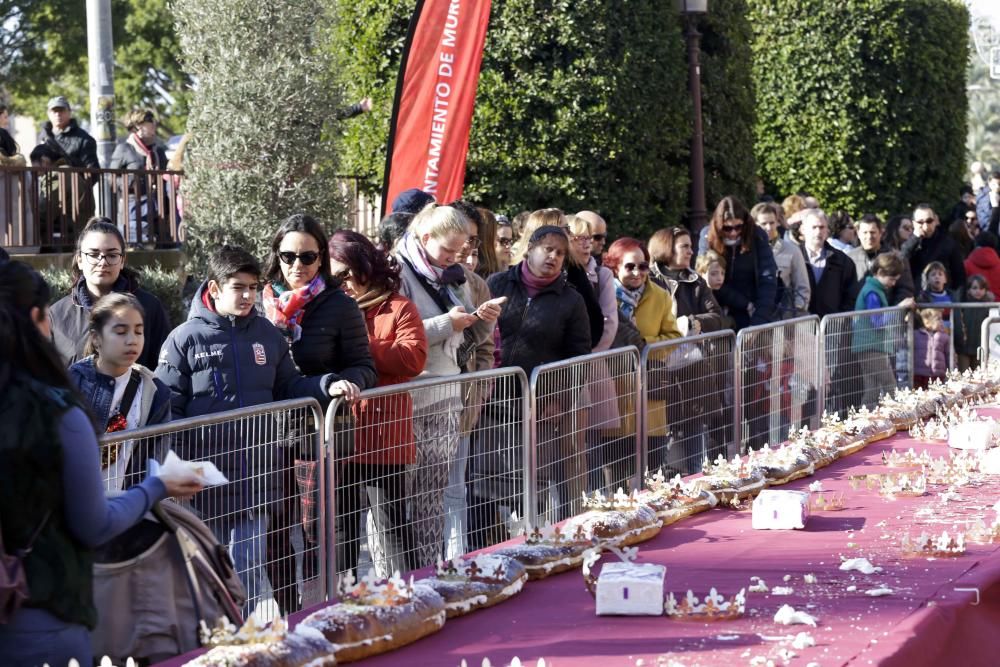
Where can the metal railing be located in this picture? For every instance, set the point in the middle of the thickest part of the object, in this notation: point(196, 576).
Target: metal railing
point(777, 382)
point(864, 354)
point(47, 207)
point(989, 339)
point(270, 514)
point(427, 469)
point(585, 430)
point(961, 325)
point(689, 381)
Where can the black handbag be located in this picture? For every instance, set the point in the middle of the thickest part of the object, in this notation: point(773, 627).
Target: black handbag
point(13, 579)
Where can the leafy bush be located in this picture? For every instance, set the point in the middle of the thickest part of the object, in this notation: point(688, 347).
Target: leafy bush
point(580, 104)
point(861, 103)
point(165, 285)
point(256, 119)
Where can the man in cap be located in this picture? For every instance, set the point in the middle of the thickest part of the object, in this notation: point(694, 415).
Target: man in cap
point(71, 146)
point(411, 201)
point(64, 136)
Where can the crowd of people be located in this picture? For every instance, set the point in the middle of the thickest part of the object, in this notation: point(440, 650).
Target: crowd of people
point(445, 290)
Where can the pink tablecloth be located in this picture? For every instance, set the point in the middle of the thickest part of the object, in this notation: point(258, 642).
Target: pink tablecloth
point(924, 622)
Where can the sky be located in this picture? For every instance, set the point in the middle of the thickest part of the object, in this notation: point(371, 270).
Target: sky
point(989, 8)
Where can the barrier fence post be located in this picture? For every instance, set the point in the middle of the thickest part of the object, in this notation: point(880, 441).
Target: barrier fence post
point(330, 473)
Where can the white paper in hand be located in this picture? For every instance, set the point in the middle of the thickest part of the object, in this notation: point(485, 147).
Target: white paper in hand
point(206, 470)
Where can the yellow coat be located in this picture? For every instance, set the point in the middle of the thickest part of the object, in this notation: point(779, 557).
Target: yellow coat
point(655, 320)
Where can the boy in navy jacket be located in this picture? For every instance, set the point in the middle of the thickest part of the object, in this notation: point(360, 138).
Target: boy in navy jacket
point(227, 357)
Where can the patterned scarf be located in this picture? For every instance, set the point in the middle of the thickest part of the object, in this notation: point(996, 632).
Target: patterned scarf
point(628, 299)
point(135, 142)
point(447, 282)
point(285, 308)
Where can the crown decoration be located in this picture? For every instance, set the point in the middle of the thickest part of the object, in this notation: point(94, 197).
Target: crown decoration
point(714, 607)
point(737, 468)
point(672, 492)
point(952, 472)
point(592, 555)
point(929, 546)
point(862, 422)
point(827, 501)
point(549, 534)
point(224, 633)
point(909, 459)
point(373, 591)
point(619, 501)
point(902, 484)
point(981, 533)
point(480, 568)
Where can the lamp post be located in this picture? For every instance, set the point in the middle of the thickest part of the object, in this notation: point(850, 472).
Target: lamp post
point(691, 10)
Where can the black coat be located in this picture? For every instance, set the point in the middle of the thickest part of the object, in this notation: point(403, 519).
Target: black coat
point(693, 296)
point(550, 327)
point(70, 317)
point(751, 277)
point(833, 293)
point(75, 144)
point(335, 340)
point(938, 248)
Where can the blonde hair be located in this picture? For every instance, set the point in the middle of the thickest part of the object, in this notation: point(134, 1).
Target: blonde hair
point(540, 218)
point(137, 117)
point(438, 221)
point(704, 262)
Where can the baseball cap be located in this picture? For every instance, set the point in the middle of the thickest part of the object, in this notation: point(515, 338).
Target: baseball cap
point(58, 101)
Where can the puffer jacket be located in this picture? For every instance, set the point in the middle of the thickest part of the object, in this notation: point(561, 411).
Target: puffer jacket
point(75, 143)
point(213, 363)
point(70, 318)
point(552, 326)
point(692, 296)
point(334, 339)
point(938, 248)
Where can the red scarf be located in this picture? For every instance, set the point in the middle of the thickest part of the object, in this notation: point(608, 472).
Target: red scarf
point(532, 283)
point(136, 143)
point(286, 308)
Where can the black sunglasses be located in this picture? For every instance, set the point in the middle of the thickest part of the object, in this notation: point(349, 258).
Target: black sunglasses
point(307, 258)
point(642, 266)
point(506, 243)
point(732, 228)
point(342, 275)
point(598, 237)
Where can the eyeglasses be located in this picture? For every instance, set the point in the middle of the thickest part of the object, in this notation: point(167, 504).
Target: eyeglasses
point(110, 258)
point(598, 237)
point(924, 221)
point(342, 275)
point(307, 258)
point(641, 266)
point(582, 238)
point(729, 229)
point(506, 243)
point(474, 242)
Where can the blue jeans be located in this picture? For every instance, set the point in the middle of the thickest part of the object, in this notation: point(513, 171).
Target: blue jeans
point(245, 536)
point(34, 637)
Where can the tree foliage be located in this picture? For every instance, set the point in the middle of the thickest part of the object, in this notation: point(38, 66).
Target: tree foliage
point(48, 57)
point(255, 119)
point(580, 104)
point(862, 102)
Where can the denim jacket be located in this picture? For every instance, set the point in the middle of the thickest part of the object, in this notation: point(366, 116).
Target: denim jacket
point(98, 391)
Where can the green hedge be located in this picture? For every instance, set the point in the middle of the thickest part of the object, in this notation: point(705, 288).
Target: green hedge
point(579, 104)
point(862, 102)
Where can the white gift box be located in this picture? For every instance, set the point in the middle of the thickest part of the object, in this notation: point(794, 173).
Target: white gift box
point(630, 589)
point(972, 435)
point(780, 510)
point(990, 463)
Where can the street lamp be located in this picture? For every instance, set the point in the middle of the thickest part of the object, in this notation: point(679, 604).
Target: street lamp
point(691, 10)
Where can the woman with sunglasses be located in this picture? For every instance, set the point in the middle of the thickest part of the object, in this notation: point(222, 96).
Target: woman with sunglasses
point(326, 333)
point(898, 230)
point(648, 308)
point(384, 444)
point(99, 269)
point(504, 242)
point(751, 284)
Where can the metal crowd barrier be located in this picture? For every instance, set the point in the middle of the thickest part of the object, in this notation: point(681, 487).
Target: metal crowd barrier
point(989, 339)
point(864, 354)
point(426, 469)
point(44, 207)
point(777, 383)
point(585, 430)
point(271, 513)
point(687, 384)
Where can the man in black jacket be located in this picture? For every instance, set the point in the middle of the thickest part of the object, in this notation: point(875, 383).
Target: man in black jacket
point(77, 149)
point(832, 274)
point(931, 243)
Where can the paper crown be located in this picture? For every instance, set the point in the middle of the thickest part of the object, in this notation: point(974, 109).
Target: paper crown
point(481, 568)
point(982, 533)
point(830, 501)
point(908, 459)
point(224, 633)
point(714, 607)
point(619, 501)
point(373, 591)
point(592, 555)
point(930, 546)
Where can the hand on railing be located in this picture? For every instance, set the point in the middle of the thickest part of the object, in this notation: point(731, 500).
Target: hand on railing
point(908, 302)
point(345, 389)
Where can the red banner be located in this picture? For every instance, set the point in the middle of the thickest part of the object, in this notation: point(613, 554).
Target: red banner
point(435, 96)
